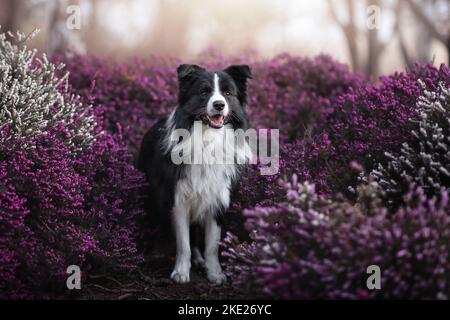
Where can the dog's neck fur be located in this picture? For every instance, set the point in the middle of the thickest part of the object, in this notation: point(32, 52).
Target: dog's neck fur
point(205, 188)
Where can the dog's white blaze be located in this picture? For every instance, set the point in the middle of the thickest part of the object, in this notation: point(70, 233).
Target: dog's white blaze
point(206, 186)
point(216, 96)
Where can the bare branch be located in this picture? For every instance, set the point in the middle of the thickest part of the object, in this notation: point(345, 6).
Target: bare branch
point(401, 40)
point(334, 15)
point(418, 12)
point(349, 30)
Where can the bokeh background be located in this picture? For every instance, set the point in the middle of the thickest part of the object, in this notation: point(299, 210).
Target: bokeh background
point(406, 30)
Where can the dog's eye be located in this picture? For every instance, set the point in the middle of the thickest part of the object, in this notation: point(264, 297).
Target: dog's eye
point(227, 93)
point(204, 92)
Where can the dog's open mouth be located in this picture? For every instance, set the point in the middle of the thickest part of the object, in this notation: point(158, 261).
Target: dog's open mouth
point(215, 121)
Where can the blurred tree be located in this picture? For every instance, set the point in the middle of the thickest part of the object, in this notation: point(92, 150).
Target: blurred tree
point(349, 29)
point(423, 38)
point(48, 15)
point(399, 22)
point(437, 27)
point(375, 46)
point(363, 58)
point(92, 36)
point(8, 14)
point(60, 37)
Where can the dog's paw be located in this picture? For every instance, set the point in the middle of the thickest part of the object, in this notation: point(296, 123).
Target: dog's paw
point(217, 278)
point(179, 276)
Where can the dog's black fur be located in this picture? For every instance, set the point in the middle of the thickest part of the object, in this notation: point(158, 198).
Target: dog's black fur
point(197, 194)
point(195, 89)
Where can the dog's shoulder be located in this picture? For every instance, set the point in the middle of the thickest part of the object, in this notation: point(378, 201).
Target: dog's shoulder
point(156, 131)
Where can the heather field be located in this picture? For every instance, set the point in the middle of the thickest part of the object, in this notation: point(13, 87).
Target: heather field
point(364, 180)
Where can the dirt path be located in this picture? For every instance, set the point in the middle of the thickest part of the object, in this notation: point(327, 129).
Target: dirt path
point(151, 282)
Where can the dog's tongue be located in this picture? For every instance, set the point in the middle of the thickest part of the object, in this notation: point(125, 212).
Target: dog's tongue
point(217, 120)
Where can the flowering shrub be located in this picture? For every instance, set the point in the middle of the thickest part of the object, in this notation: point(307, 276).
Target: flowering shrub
point(288, 93)
point(308, 248)
point(373, 120)
point(133, 94)
point(31, 99)
point(68, 192)
point(15, 241)
point(365, 123)
point(294, 94)
point(302, 246)
point(427, 160)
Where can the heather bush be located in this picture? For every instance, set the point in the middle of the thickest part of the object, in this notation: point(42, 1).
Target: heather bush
point(15, 241)
point(135, 94)
point(304, 245)
point(426, 160)
point(307, 247)
point(289, 93)
point(68, 192)
point(373, 120)
point(32, 98)
point(365, 123)
point(294, 94)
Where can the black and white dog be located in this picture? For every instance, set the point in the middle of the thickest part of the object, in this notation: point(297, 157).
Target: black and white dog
point(198, 193)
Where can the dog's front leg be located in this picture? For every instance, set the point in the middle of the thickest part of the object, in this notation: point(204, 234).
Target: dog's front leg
point(212, 238)
point(182, 268)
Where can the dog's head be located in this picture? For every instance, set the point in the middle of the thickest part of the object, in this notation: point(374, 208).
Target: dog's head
point(216, 98)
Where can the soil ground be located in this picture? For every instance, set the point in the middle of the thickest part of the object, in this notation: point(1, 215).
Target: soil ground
point(151, 281)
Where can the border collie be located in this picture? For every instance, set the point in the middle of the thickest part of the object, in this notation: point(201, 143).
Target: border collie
point(189, 194)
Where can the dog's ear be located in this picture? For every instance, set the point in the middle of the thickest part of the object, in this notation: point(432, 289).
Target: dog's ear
point(186, 75)
point(186, 70)
point(240, 74)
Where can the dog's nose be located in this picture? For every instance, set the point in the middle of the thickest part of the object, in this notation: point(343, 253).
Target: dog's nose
point(219, 105)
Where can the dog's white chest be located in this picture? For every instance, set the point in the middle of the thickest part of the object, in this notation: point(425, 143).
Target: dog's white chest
point(206, 186)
